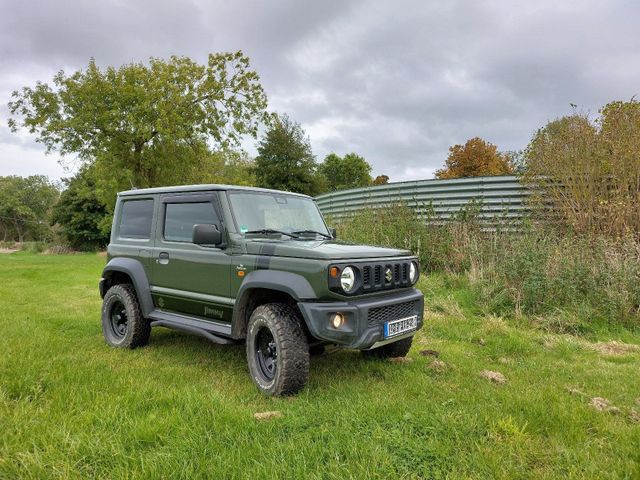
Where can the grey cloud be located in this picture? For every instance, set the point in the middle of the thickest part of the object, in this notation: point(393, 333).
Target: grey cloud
point(397, 82)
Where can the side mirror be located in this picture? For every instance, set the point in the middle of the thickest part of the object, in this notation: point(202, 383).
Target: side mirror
point(332, 231)
point(208, 235)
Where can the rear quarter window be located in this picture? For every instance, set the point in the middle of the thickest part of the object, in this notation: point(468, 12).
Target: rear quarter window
point(135, 219)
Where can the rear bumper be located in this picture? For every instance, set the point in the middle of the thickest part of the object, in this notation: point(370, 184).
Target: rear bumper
point(364, 319)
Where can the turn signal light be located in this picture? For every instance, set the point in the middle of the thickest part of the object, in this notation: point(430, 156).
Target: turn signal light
point(334, 272)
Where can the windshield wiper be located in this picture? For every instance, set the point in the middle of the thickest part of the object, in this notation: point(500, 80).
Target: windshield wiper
point(266, 231)
point(313, 231)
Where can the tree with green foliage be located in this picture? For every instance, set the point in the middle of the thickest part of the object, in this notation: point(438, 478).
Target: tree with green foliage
point(231, 167)
point(141, 124)
point(341, 173)
point(25, 204)
point(589, 170)
point(80, 214)
point(476, 158)
point(285, 160)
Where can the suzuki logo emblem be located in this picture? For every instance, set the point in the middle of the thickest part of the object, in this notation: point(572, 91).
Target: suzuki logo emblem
point(388, 274)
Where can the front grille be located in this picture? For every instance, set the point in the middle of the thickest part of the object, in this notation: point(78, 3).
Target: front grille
point(379, 315)
point(385, 275)
point(366, 275)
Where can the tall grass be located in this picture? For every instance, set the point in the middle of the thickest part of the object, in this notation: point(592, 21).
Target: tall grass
point(573, 282)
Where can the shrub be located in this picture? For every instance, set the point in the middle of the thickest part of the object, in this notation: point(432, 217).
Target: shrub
point(33, 247)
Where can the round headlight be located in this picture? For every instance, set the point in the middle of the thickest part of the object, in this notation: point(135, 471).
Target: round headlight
point(413, 272)
point(347, 279)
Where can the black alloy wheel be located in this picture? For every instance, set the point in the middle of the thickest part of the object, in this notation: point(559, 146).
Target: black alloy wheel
point(119, 319)
point(266, 353)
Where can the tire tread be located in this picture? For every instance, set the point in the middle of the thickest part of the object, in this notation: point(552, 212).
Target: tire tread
point(294, 370)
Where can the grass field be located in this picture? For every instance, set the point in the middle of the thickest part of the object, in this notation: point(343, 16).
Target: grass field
point(71, 407)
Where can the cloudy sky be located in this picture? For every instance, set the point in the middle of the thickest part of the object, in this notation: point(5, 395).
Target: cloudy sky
point(397, 81)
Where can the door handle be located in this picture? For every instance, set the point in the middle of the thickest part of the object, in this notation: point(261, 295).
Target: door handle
point(163, 258)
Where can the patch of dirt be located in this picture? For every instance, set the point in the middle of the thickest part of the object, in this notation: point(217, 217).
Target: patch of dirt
point(400, 359)
point(603, 405)
point(427, 353)
point(267, 415)
point(9, 250)
point(634, 416)
point(614, 348)
point(438, 365)
point(102, 254)
point(495, 377)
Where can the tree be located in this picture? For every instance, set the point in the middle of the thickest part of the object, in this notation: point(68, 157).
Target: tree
point(25, 203)
point(589, 170)
point(380, 180)
point(476, 158)
point(285, 160)
point(231, 167)
point(80, 214)
point(350, 171)
point(144, 125)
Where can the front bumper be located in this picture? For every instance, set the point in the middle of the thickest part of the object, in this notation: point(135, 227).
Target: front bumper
point(364, 319)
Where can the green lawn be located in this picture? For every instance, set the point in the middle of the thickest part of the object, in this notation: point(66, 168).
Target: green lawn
point(71, 407)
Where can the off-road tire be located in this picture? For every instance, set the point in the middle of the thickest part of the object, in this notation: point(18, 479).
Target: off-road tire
point(138, 328)
point(291, 347)
point(390, 350)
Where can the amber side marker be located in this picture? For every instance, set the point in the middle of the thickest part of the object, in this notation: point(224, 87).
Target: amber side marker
point(334, 271)
point(240, 273)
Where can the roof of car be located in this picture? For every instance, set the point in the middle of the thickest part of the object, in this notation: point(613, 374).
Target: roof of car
point(201, 188)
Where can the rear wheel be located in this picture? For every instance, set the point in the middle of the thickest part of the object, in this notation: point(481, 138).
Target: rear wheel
point(390, 350)
point(277, 350)
point(123, 324)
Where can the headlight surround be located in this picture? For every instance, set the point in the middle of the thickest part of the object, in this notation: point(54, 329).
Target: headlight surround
point(347, 279)
point(413, 272)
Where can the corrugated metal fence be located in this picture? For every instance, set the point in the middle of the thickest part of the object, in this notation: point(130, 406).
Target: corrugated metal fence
point(498, 199)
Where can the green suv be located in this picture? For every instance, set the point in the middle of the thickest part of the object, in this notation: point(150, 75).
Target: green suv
point(236, 263)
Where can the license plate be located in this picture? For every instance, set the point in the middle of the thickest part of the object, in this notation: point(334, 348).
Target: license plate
point(403, 325)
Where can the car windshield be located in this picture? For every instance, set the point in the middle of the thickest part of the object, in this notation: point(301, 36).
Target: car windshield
point(256, 211)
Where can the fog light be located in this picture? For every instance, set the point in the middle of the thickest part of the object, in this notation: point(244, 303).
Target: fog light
point(337, 320)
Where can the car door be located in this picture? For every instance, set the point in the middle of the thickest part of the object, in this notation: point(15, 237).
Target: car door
point(187, 278)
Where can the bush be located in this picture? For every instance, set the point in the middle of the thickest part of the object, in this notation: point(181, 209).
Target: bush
point(33, 247)
point(537, 273)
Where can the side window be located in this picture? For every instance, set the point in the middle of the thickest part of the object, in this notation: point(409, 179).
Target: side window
point(135, 218)
point(180, 218)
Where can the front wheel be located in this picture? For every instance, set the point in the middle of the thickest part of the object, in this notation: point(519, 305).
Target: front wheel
point(390, 350)
point(277, 350)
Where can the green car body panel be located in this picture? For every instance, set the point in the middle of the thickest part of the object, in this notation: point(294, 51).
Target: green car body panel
point(213, 287)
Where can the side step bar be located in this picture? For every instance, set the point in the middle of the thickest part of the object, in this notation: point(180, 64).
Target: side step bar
point(214, 332)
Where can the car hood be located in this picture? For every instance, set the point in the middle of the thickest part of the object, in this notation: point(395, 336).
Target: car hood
point(320, 249)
